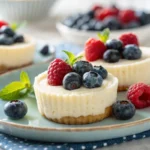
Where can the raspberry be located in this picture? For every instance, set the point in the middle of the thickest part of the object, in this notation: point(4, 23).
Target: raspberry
point(3, 23)
point(94, 49)
point(105, 12)
point(129, 38)
point(126, 16)
point(96, 7)
point(139, 95)
point(56, 71)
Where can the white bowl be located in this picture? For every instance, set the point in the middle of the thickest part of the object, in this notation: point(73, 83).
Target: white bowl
point(79, 36)
point(18, 10)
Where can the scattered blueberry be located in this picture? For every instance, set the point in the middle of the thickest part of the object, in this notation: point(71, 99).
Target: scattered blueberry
point(72, 81)
point(99, 26)
point(7, 30)
point(15, 109)
point(81, 67)
point(45, 50)
point(92, 79)
point(143, 17)
point(85, 27)
point(92, 24)
point(132, 52)
point(90, 13)
point(5, 40)
point(111, 56)
point(18, 38)
point(133, 24)
point(114, 44)
point(101, 71)
point(123, 110)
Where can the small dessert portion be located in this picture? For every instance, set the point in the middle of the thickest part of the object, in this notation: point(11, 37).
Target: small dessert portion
point(99, 18)
point(16, 50)
point(75, 92)
point(122, 57)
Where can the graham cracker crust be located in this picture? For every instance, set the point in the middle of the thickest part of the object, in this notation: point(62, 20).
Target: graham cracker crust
point(83, 119)
point(122, 88)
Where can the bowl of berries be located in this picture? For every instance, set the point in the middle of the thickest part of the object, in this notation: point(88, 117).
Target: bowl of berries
point(79, 27)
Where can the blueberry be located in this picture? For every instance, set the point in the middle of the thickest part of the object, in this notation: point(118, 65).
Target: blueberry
point(18, 38)
point(90, 13)
point(114, 44)
point(111, 56)
point(92, 79)
point(144, 18)
point(99, 26)
point(45, 50)
point(5, 40)
point(85, 27)
point(7, 30)
point(81, 67)
point(123, 110)
point(15, 109)
point(101, 71)
point(72, 81)
point(133, 24)
point(132, 52)
point(112, 23)
point(92, 24)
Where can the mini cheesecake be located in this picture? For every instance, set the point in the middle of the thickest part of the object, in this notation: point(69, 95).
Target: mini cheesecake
point(79, 106)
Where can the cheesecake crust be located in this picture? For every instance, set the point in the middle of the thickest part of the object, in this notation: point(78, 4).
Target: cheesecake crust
point(83, 119)
point(123, 88)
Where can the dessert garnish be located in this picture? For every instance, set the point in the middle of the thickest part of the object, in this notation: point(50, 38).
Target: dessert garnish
point(139, 95)
point(15, 109)
point(45, 50)
point(17, 89)
point(123, 110)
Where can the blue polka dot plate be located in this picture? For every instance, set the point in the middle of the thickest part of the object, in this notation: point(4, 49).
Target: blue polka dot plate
point(36, 127)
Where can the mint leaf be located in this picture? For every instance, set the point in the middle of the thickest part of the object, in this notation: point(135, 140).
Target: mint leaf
point(16, 26)
point(25, 79)
point(12, 91)
point(104, 35)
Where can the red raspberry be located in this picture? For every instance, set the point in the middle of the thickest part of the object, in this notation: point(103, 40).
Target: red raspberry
point(94, 49)
point(139, 95)
point(105, 12)
point(127, 16)
point(3, 23)
point(56, 71)
point(96, 7)
point(129, 38)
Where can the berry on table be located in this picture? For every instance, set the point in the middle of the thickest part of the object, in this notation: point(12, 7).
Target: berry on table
point(129, 38)
point(15, 109)
point(7, 30)
point(132, 52)
point(56, 72)
point(111, 56)
point(101, 71)
point(45, 50)
point(92, 79)
point(123, 110)
point(82, 67)
point(139, 95)
point(72, 81)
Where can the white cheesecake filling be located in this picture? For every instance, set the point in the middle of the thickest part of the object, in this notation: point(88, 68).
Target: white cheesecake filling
point(129, 72)
point(17, 54)
point(57, 102)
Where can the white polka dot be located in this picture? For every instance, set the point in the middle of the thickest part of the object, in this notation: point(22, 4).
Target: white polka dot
point(25, 149)
point(71, 148)
point(5, 138)
point(5, 146)
point(105, 144)
point(0, 144)
point(134, 136)
point(58, 146)
point(124, 138)
point(20, 146)
point(94, 147)
point(45, 148)
point(10, 149)
point(144, 136)
point(83, 147)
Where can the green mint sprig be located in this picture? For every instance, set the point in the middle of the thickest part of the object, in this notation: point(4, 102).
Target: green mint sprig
point(17, 89)
point(15, 26)
point(71, 57)
point(104, 35)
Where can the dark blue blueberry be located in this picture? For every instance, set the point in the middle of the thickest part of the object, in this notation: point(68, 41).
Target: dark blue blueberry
point(101, 71)
point(132, 52)
point(81, 67)
point(111, 56)
point(114, 44)
point(112, 23)
point(92, 79)
point(45, 50)
point(85, 27)
point(123, 110)
point(18, 38)
point(144, 18)
point(7, 30)
point(99, 26)
point(5, 40)
point(90, 13)
point(72, 81)
point(133, 24)
point(15, 109)
point(92, 24)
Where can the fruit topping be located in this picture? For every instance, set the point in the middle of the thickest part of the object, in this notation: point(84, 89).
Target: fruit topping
point(45, 50)
point(92, 79)
point(129, 38)
point(72, 81)
point(7, 30)
point(15, 109)
point(5, 40)
point(132, 52)
point(123, 110)
point(101, 71)
point(3, 23)
point(18, 38)
point(139, 95)
point(111, 56)
point(82, 67)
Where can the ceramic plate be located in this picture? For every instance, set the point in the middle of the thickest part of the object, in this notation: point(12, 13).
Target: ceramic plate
point(80, 36)
point(36, 127)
